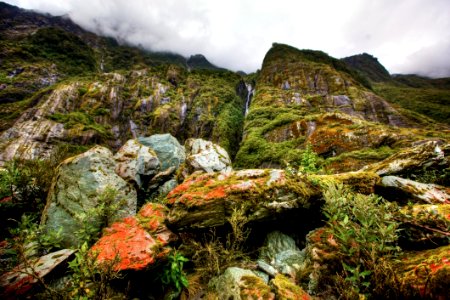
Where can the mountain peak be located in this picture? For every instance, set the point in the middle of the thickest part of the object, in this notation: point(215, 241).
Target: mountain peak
point(199, 61)
point(369, 66)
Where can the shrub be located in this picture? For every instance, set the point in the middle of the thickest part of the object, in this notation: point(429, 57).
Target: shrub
point(173, 274)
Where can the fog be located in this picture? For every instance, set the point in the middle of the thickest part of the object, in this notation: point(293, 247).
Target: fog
point(407, 36)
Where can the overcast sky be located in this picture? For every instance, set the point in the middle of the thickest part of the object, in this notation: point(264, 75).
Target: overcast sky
point(407, 36)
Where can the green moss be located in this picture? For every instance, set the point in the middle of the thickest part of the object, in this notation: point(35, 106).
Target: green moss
point(77, 119)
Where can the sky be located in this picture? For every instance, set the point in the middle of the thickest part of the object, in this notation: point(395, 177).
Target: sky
point(407, 36)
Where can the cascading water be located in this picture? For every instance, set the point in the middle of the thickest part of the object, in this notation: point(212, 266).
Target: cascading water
point(249, 97)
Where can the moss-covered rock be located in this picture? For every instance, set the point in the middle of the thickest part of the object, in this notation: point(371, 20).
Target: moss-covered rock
point(287, 290)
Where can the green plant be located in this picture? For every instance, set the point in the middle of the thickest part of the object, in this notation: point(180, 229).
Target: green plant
point(365, 230)
point(173, 274)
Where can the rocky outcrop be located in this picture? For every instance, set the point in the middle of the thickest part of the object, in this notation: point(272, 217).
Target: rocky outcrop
point(86, 189)
point(206, 156)
point(207, 200)
point(415, 191)
point(136, 242)
point(135, 161)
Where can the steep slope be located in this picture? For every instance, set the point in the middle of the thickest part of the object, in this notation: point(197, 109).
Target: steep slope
point(306, 97)
point(426, 96)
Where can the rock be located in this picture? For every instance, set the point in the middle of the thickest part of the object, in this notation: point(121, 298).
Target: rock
point(167, 187)
point(412, 190)
point(135, 160)
point(21, 279)
point(206, 156)
point(167, 148)
point(410, 160)
point(281, 252)
point(425, 273)
point(77, 189)
point(287, 290)
point(136, 242)
point(236, 283)
point(207, 200)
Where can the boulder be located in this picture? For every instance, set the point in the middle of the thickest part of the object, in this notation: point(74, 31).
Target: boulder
point(425, 274)
point(207, 200)
point(167, 148)
point(281, 252)
point(236, 283)
point(136, 242)
point(135, 160)
point(206, 156)
point(429, 154)
point(19, 281)
point(287, 290)
point(79, 187)
point(416, 191)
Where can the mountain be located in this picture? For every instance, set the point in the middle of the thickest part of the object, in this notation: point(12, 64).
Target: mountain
point(426, 96)
point(132, 174)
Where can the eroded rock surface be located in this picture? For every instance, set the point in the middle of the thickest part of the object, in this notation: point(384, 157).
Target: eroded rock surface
point(206, 156)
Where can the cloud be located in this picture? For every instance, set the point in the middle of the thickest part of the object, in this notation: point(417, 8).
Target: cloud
point(404, 34)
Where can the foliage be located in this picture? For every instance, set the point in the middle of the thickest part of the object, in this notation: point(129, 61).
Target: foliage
point(365, 231)
point(90, 278)
point(173, 274)
point(75, 118)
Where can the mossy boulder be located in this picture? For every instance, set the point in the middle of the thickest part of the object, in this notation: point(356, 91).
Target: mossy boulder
point(79, 188)
point(169, 151)
point(136, 242)
point(206, 200)
point(285, 289)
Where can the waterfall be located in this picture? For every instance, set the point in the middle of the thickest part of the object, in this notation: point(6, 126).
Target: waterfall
point(134, 129)
point(249, 97)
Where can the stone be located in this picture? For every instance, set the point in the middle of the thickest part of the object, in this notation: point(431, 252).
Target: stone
point(167, 148)
point(206, 156)
point(287, 290)
point(207, 200)
point(429, 154)
point(416, 191)
point(135, 161)
point(23, 278)
point(236, 283)
point(281, 252)
point(167, 187)
point(77, 189)
point(136, 242)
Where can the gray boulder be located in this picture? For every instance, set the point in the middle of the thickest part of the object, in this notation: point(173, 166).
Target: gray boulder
point(79, 188)
point(206, 156)
point(135, 160)
point(167, 148)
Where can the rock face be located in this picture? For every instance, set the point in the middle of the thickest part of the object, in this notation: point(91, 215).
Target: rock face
point(207, 200)
point(206, 156)
point(136, 242)
point(169, 151)
point(77, 190)
point(135, 160)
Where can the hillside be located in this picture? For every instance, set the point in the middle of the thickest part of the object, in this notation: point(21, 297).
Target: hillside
point(131, 174)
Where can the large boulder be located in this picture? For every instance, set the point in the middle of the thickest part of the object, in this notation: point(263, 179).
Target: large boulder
point(136, 242)
point(206, 156)
point(135, 161)
point(236, 283)
point(207, 200)
point(80, 187)
point(167, 148)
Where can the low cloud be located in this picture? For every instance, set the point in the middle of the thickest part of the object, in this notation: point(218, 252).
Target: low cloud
point(405, 35)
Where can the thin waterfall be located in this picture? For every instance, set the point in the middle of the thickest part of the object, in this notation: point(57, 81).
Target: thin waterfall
point(249, 97)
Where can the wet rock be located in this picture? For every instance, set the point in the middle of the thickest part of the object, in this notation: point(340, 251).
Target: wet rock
point(136, 242)
point(135, 160)
point(412, 190)
point(207, 200)
point(167, 148)
point(281, 252)
point(206, 156)
point(430, 154)
point(287, 290)
point(236, 283)
point(77, 189)
point(21, 279)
